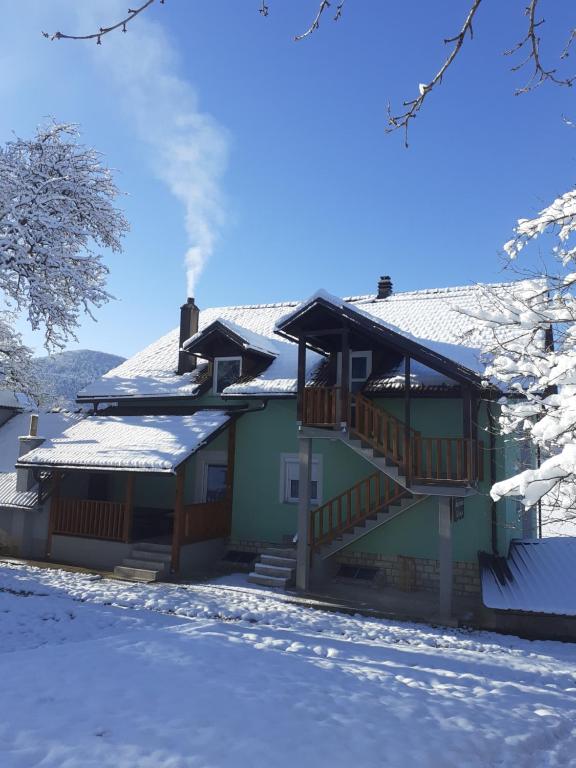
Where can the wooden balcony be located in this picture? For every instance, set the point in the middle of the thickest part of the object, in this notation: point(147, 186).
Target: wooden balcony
point(108, 520)
point(422, 460)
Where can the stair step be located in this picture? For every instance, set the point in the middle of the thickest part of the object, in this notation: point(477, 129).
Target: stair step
point(150, 565)
point(274, 570)
point(282, 562)
point(152, 547)
point(280, 551)
point(135, 574)
point(267, 581)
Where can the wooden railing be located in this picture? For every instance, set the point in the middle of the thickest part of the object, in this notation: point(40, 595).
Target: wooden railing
point(383, 431)
point(440, 460)
point(201, 522)
point(351, 507)
point(321, 406)
point(92, 519)
point(447, 459)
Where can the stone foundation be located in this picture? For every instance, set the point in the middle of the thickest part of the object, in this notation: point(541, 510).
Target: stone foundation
point(415, 573)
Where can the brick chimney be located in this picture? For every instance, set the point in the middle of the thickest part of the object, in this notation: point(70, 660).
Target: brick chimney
point(384, 287)
point(189, 314)
point(24, 476)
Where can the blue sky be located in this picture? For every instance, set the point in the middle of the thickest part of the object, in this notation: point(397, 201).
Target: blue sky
point(268, 158)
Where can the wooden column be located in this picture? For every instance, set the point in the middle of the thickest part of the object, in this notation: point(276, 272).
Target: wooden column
point(304, 481)
point(301, 379)
point(178, 516)
point(407, 422)
point(445, 556)
point(467, 429)
point(230, 471)
point(54, 501)
point(345, 379)
point(129, 505)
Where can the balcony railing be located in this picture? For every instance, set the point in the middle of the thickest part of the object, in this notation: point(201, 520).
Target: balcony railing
point(201, 522)
point(91, 519)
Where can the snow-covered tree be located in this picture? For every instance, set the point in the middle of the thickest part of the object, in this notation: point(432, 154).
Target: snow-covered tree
point(533, 354)
point(56, 206)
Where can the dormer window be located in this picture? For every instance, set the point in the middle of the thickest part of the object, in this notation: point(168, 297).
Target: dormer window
point(227, 370)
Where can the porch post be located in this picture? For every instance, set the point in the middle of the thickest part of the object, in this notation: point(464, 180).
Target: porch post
point(53, 512)
point(445, 556)
point(230, 471)
point(467, 430)
point(345, 379)
point(304, 480)
point(178, 515)
point(301, 379)
point(129, 503)
point(407, 422)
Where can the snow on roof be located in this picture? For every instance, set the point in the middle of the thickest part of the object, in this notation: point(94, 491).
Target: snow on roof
point(255, 342)
point(431, 316)
point(537, 576)
point(50, 425)
point(139, 443)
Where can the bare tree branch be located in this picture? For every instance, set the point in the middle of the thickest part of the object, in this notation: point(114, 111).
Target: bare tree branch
point(324, 5)
point(531, 41)
point(413, 107)
point(123, 24)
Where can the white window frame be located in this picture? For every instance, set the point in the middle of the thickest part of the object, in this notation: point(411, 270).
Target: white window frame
point(215, 371)
point(317, 469)
point(367, 353)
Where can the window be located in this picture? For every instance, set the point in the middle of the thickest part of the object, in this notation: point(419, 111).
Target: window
point(289, 479)
point(360, 369)
point(227, 370)
point(215, 476)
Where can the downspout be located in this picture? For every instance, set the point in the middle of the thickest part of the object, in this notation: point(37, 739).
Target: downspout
point(493, 507)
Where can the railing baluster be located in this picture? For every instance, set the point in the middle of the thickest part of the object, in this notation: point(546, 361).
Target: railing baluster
point(449, 458)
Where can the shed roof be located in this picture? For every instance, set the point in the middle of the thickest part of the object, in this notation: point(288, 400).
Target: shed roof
point(538, 576)
point(135, 443)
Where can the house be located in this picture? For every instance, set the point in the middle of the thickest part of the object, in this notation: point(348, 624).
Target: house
point(359, 428)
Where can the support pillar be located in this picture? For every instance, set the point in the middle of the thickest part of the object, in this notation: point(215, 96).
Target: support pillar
point(178, 517)
point(304, 481)
point(445, 556)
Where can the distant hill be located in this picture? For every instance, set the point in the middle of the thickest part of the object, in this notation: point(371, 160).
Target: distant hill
point(63, 375)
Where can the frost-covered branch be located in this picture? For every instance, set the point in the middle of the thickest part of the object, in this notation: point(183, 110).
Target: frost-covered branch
point(56, 205)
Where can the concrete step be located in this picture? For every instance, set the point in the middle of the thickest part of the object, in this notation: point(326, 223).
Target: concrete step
point(150, 565)
point(280, 551)
point(152, 547)
point(267, 581)
point(135, 574)
point(152, 555)
point(274, 570)
point(282, 562)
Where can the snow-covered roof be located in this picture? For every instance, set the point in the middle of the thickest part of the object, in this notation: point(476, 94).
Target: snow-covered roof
point(537, 576)
point(251, 341)
point(50, 425)
point(137, 443)
point(436, 318)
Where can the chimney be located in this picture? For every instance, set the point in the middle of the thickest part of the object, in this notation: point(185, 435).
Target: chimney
point(384, 287)
point(24, 476)
point(189, 314)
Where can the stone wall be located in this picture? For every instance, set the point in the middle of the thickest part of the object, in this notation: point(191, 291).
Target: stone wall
point(413, 573)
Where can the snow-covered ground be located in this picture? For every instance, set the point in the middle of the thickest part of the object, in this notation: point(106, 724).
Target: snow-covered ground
point(101, 673)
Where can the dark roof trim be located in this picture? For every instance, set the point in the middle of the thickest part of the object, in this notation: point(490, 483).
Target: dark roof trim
point(397, 341)
point(218, 328)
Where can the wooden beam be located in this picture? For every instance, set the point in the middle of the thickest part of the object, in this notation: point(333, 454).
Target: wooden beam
point(345, 378)
point(129, 502)
point(301, 379)
point(178, 515)
point(56, 481)
point(407, 422)
point(230, 473)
